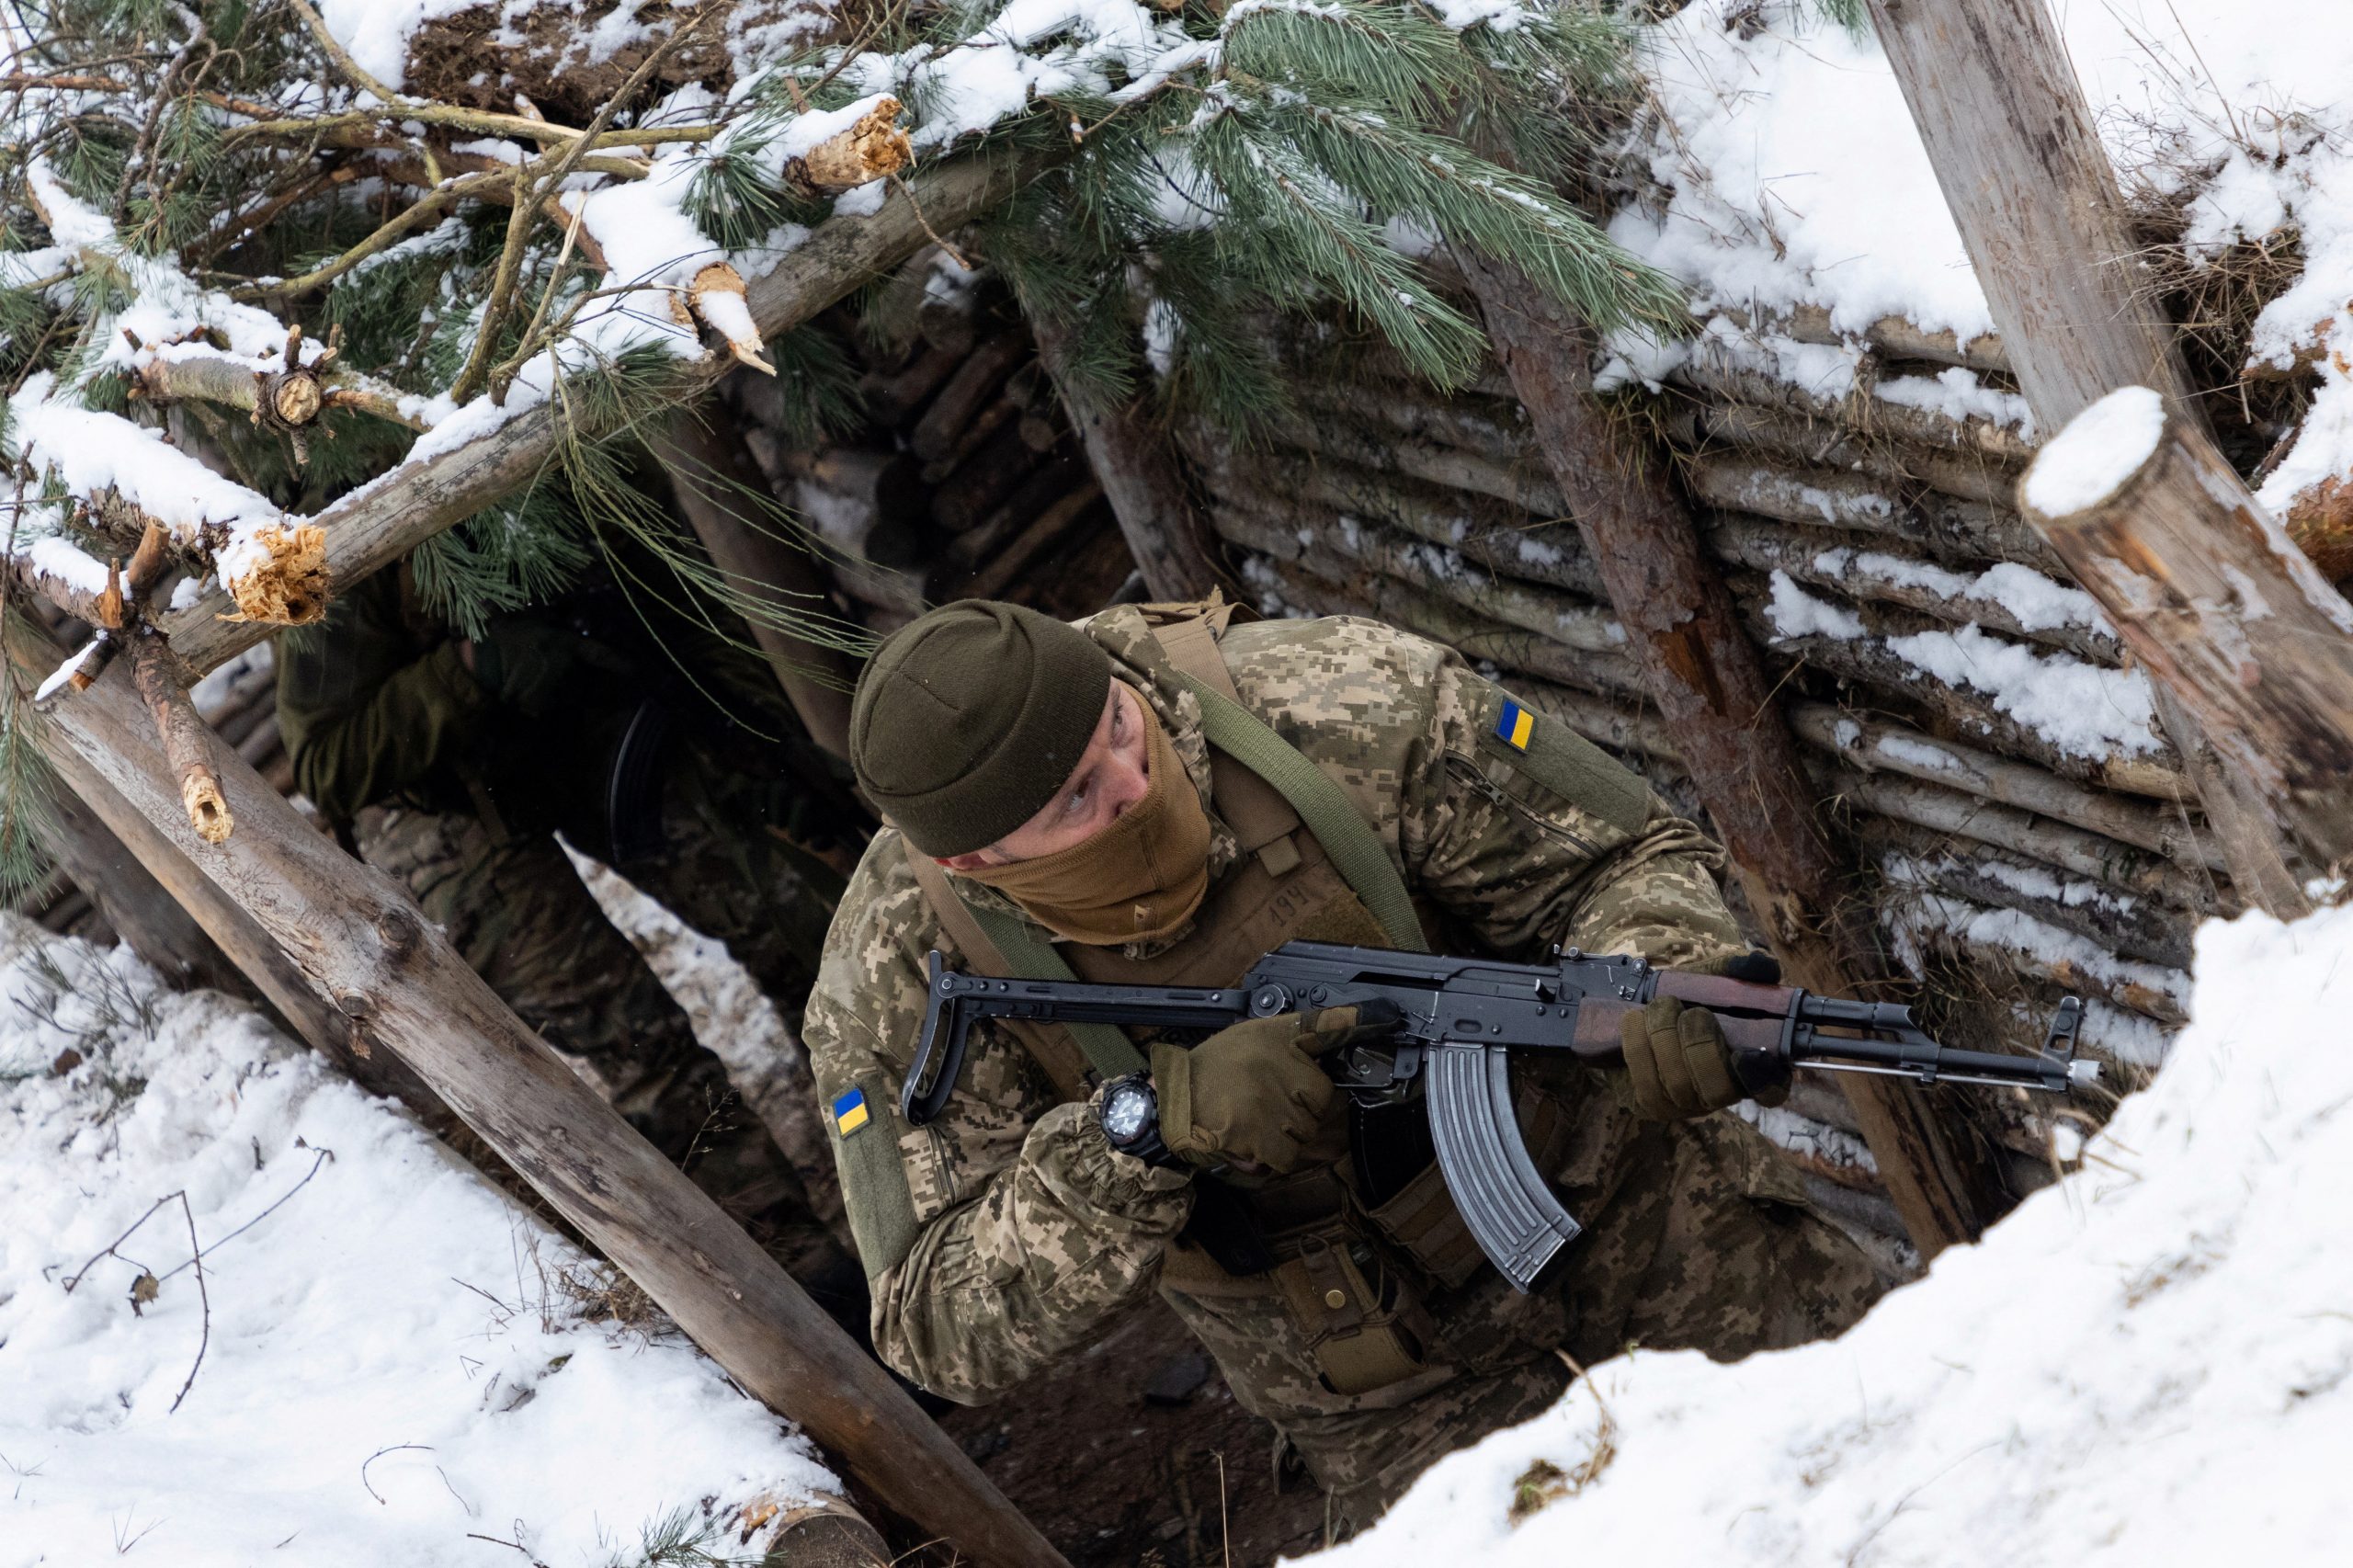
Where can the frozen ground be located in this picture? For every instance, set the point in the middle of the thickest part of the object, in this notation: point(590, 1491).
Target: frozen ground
point(395, 1366)
point(2145, 1365)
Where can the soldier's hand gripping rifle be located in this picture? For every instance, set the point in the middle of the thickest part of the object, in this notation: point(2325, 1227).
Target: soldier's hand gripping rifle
point(1459, 1020)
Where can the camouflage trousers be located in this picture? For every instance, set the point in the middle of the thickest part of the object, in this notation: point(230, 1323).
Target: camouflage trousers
point(1706, 1242)
point(515, 908)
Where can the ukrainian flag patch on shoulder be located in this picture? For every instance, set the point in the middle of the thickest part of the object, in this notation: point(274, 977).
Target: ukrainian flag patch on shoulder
point(849, 1112)
point(1514, 725)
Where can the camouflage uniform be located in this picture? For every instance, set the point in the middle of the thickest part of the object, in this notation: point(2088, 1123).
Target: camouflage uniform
point(1029, 1234)
point(458, 798)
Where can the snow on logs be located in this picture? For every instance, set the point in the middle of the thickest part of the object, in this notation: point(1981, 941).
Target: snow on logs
point(1435, 514)
point(127, 476)
point(2214, 597)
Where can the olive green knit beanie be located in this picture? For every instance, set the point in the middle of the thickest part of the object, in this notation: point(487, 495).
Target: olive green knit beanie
point(967, 720)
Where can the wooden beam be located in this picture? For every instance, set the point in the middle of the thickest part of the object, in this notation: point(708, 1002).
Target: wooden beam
point(2207, 589)
point(383, 520)
point(709, 475)
point(140, 910)
point(359, 942)
point(1718, 706)
point(1136, 464)
point(2030, 188)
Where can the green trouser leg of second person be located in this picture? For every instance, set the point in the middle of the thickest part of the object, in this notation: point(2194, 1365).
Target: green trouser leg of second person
point(521, 918)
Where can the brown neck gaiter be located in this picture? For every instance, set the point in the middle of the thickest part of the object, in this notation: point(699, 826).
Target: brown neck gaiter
point(1138, 880)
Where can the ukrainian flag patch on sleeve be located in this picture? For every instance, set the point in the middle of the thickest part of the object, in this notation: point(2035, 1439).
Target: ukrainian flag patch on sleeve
point(1514, 725)
point(849, 1112)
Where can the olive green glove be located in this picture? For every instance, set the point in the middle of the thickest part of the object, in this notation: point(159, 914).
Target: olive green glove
point(524, 661)
point(1252, 1096)
point(1676, 1055)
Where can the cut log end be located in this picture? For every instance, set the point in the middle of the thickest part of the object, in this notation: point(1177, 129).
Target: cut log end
point(2090, 462)
point(208, 812)
point(716, 298)
point(297, 398)
point(290, 586)
point(868, 150)
point(2320, 520)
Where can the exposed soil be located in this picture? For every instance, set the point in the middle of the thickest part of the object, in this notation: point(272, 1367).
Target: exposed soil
point(1135, 1453)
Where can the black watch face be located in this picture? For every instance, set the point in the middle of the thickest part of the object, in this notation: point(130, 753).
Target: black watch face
point(1127, 1111)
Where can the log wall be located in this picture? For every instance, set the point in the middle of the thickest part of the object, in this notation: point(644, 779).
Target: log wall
point(1914, 619)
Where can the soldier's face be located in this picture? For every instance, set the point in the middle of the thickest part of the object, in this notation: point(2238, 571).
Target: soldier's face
point(1112, 775)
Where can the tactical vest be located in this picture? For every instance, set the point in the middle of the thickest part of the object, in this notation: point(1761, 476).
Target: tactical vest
point(1355, 1278)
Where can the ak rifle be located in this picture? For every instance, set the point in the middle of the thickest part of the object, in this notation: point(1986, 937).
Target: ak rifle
point(1457, 1022)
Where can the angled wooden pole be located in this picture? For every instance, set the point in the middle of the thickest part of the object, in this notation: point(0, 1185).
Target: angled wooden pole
point(2220, 605)
point(709, 475)
point(357, 941)
point(2030, 188)
point(1718, 708)
point(1137, 466)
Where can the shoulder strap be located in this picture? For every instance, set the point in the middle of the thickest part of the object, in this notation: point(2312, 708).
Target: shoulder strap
point(1258, 814)
point(1004, 944)
point(1322, 804)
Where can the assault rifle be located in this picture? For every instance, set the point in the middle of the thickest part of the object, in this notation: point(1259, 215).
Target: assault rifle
point(1459, 1020)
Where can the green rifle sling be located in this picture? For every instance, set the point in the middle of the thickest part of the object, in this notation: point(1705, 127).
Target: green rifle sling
point(1108, 1052)
point(1355, 849)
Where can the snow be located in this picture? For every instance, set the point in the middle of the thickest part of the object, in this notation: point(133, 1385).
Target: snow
point(1792, 175)
point(89, 452)
point(376, 33)
point(2149, 1363)
point(1796, 613)
point(396, 1358)
point(2038, 602)
point(2088, 710)
point(1958, 394)
point(2077, 706)
point(2100, 449)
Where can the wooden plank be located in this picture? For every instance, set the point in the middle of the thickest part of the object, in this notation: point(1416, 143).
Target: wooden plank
point(357, 941)
point(2030, 188)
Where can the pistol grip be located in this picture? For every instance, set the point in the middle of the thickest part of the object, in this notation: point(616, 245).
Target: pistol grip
point(1502, 1197)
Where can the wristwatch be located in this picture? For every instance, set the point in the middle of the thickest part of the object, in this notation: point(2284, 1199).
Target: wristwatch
point(1130, 1112)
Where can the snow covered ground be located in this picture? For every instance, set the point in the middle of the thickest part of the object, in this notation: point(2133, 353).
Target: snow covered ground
point(2150, 1363)
point(396, 1365)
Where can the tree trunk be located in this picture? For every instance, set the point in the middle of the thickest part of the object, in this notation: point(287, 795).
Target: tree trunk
point(1137, 466)
point(2032, 191)
point(709, 474)
point(1713, 697)
point(2215, 600)
point(359, 942)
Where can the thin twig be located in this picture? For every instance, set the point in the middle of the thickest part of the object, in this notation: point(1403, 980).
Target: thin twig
point(109, 1250)
point(529, 194)
point(380, 1453)
point(203, 1296)
point(325, 1154)
point(952, 253)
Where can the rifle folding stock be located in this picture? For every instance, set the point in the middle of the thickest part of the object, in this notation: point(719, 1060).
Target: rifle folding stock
point(1458, 1022)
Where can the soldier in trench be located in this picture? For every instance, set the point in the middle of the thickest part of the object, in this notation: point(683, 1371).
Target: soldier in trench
point(1051, 790)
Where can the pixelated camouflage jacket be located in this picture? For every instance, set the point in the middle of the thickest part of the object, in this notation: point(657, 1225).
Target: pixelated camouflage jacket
point(1029, 1234)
